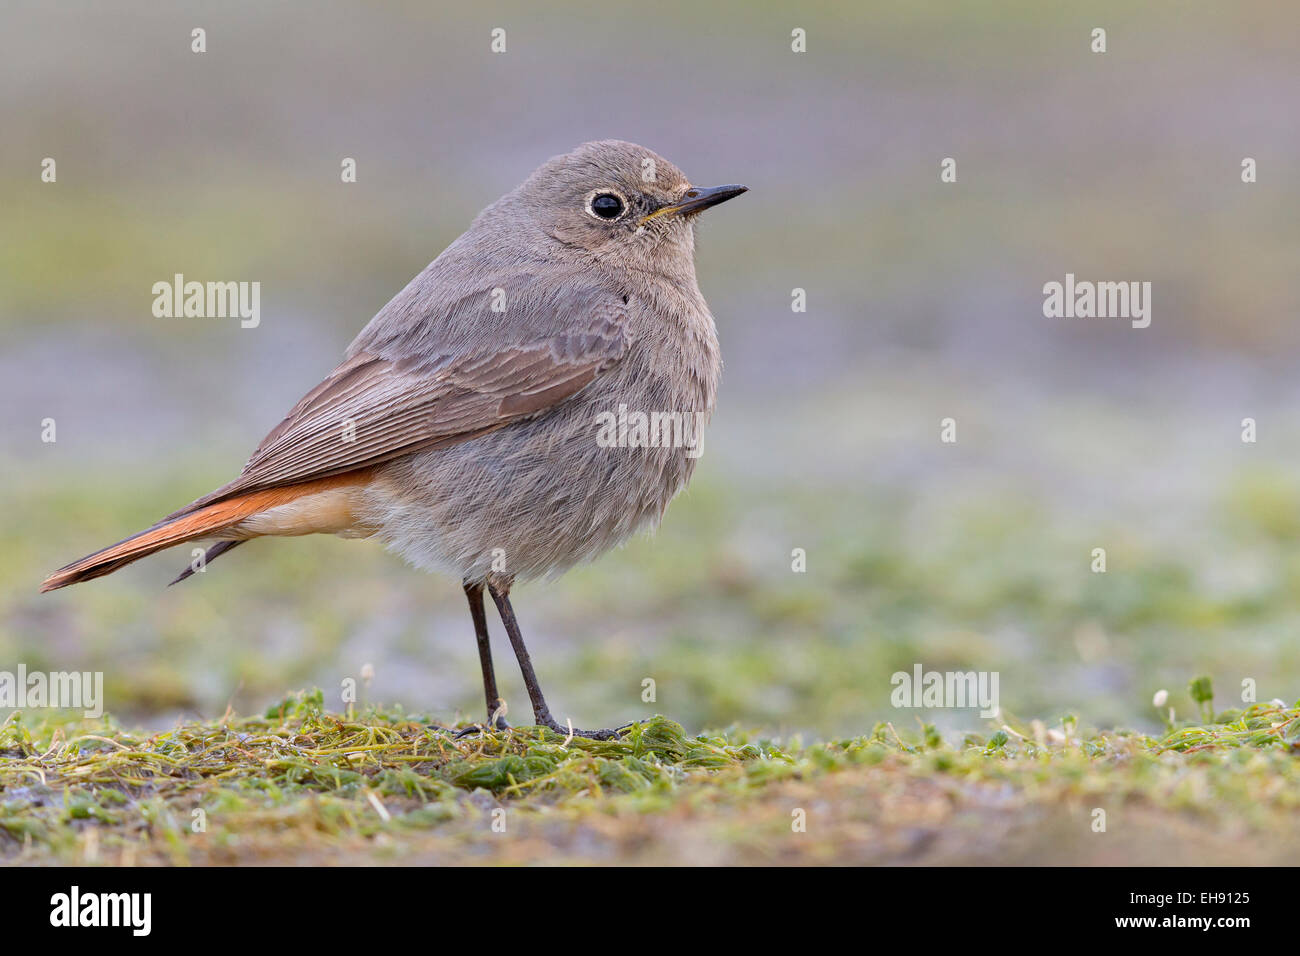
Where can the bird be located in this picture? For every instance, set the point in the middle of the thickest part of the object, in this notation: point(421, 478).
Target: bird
point(469, 426)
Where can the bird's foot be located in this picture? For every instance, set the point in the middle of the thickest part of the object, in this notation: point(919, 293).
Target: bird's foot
point(550, 723)
point(474, 729)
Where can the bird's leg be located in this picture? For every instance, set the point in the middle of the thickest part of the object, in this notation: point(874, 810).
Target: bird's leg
point(474, 593)
point(541, 713)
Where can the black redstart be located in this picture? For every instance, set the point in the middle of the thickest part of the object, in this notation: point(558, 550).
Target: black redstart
point(527, 402)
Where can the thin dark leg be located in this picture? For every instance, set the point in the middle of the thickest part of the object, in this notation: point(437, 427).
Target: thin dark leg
point(541, 713)
point(474, 593)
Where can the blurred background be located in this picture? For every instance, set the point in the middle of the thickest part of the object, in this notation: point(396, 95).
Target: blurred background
point(924, 301)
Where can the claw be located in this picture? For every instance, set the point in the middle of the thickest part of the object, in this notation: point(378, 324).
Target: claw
point(570, 731)
point(473, 729)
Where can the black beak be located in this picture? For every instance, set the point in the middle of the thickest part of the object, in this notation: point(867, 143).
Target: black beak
point(697, 199)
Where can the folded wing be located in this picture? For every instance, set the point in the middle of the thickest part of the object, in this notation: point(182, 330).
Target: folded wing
point(371, 408)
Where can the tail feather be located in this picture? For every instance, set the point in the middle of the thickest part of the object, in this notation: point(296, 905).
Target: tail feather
point(214, 552)
point(204, 522)
point(188, 524)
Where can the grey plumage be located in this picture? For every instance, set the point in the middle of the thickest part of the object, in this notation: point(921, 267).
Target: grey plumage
point(462, 427)
point(590, 317)
point(541, 493)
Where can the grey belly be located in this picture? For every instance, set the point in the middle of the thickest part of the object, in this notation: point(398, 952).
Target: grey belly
point(528, 500)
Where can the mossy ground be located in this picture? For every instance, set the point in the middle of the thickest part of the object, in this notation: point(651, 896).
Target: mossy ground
point(302, 785)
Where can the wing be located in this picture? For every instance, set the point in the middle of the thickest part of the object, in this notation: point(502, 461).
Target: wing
point(376, 407)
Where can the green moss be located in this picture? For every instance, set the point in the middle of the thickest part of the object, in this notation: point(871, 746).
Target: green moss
point(300, 781)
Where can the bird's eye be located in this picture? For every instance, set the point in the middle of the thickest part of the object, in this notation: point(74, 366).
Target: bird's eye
point(606, 205)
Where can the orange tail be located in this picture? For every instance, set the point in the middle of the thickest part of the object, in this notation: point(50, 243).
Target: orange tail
point(203, 522)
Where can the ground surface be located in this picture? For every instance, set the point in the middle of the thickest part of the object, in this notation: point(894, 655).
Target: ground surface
point(305, 786)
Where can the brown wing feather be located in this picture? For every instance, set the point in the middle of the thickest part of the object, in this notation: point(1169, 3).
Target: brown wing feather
point(398, 407)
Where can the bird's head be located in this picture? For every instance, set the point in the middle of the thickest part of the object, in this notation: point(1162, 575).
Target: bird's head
point(620, 202)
